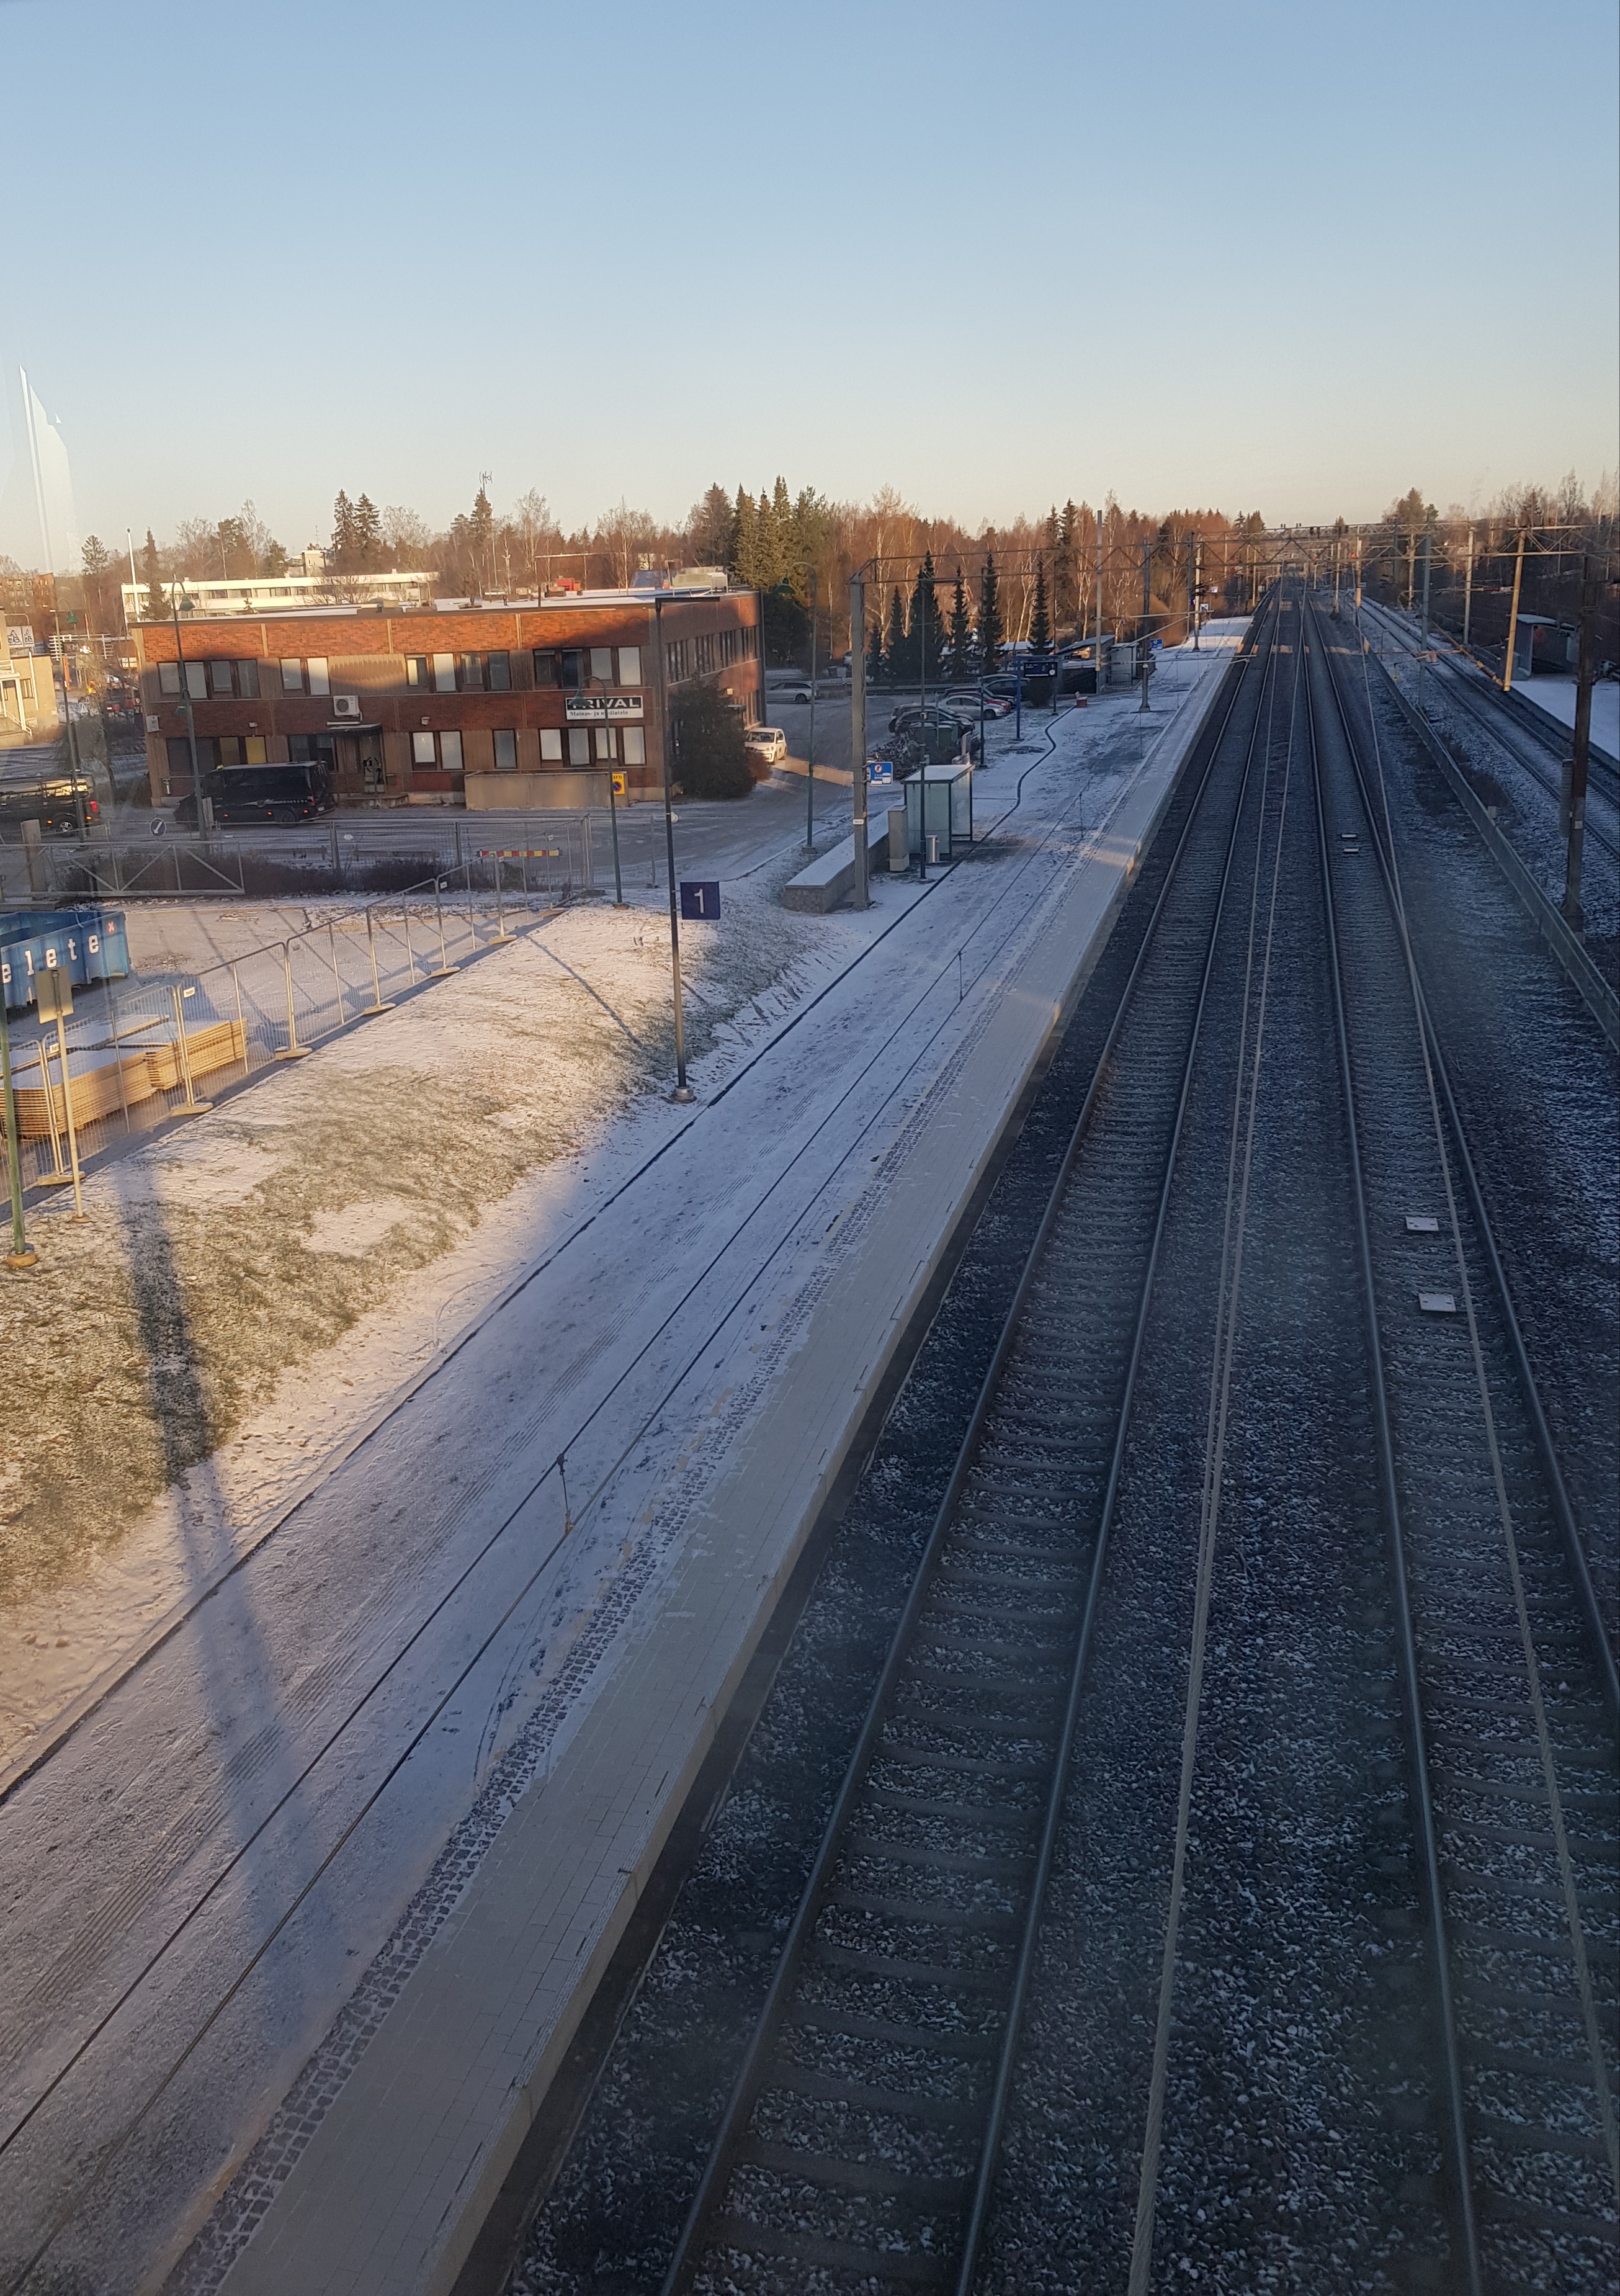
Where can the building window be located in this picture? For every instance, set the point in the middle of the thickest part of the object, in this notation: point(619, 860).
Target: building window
point(419, 670)
point(444, 673)
point(602, 665)
point(450, 752)
point(565, 668)
point(579, 745)
point(505, 751)
point(253, 749)
point(246, 681)
point(629, 665)
point(222, 685)
point(292, 678)
point(497, 673)
point(551, 745)
point(635, 740)
point(423, 750)
point(319, 683)
point(168, 677)
point(605, 743)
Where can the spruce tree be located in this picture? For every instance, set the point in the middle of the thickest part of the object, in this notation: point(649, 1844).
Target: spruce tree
point(367, 535)
point(925, 623)
point(745, 540)
point(874, 650)
point(1040, 620)
point(898, 652)
point(151, 574)
point(991, 632)
point(1066, 572)
point(343, 533)
point(961, 630)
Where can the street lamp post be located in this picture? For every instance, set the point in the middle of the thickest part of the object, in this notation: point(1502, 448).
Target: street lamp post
point(810, 745)
point(185, 700)
point(683, 1091)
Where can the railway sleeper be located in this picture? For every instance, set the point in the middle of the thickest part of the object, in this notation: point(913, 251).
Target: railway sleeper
point(860, 2096)
point(825, 2019)
point(749, 2239)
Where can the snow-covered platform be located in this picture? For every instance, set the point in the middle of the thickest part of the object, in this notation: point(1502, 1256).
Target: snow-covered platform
point(388, 2192)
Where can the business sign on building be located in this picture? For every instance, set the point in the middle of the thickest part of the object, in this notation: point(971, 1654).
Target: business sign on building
point(591, 709)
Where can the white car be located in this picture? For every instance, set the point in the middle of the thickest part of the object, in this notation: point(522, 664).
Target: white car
point(767, 742)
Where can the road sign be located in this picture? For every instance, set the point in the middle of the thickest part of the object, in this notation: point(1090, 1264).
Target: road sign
point(879, 769)
point(699, 899)
point(53, 991)
point(159, 827)
point(618, 785)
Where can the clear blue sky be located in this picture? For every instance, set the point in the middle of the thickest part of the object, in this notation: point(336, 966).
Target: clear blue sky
point(1278, 257)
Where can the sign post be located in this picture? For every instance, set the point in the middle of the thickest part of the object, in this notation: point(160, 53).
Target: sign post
point(19, 1255)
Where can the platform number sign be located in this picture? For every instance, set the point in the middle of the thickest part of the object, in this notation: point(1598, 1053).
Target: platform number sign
point(699, 899)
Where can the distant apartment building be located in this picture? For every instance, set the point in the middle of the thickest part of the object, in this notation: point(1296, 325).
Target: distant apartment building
point(28, 687)
point(486, 705)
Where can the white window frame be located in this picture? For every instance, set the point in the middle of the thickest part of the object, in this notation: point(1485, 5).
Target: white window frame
point(424, 752)
point(508, 734)
point(444, 673)
point(629, 665)
point(450, 750)
point(292, 678)
point(579, 745)
point(551, 745)
point(635, 741)
point(319, 682)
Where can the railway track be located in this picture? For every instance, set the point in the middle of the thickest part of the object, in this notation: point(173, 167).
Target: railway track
point(878, 2134)
point(1538, 751)
point(1508, 1682)
point(879, 2076)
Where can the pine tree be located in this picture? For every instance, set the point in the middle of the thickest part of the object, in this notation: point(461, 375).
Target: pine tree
point(1040, 620)
point(343, 533)
point(874, 650)
point(898, 652)
point(151, 574)
point(990, 628)
point(961, 630)
point(367, 535)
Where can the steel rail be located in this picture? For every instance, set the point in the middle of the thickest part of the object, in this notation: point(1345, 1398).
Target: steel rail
point(990, 2149)
point(1602, 1651)
point(1466, 2229)
point(750, 2078)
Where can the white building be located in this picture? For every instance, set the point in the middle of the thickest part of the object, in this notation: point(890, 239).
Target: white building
point(269, 594)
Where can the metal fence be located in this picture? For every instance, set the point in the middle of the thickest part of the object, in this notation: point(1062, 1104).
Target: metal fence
point(141, 1051)
point(558, 852)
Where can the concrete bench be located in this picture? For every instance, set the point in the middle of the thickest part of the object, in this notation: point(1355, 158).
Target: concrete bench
point(829, 878)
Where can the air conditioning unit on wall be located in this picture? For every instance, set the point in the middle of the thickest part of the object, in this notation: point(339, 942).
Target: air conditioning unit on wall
point(346, 705)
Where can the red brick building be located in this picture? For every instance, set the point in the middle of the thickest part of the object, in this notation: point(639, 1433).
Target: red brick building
point(487, 704)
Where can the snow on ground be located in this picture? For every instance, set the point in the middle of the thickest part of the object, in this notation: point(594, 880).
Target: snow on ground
point(249, 1292)
point(397, 1284)
point(1557, 697)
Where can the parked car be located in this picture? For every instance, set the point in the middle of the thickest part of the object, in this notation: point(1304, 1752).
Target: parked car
point(768, 743)
point(966, 701)
point(940, 734)
point(1004, 684)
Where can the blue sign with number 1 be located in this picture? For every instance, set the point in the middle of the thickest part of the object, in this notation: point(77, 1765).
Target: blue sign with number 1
point(699, 899)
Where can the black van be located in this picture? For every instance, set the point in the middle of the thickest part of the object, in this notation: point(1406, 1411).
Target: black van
point(248, 793)
point(49, 801)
